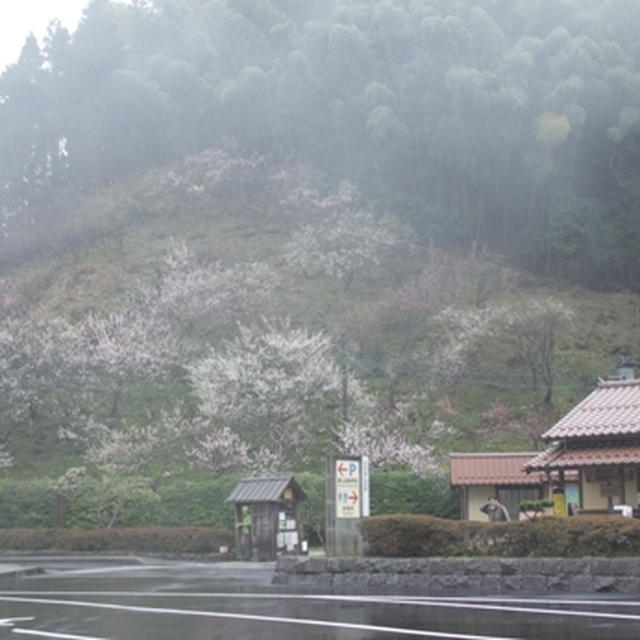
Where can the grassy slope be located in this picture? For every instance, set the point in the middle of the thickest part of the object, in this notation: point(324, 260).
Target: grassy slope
point(124, 233)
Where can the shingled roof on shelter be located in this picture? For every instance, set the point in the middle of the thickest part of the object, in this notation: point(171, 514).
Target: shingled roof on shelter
point(268, 489)
point(611, 409)
point(491, 469)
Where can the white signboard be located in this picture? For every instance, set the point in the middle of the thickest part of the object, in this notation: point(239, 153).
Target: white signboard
point(348, 499)
point(365, 487)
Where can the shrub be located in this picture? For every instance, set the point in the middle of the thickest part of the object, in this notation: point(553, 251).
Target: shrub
point(535, 505)
point(149, 540)
point(413, 535)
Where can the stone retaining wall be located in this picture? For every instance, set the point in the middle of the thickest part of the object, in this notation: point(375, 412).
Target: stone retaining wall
point(463, 575)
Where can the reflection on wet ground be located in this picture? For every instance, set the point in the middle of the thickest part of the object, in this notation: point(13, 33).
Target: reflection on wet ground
point(146, 599)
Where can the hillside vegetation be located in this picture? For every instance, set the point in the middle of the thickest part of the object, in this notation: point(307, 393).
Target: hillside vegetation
point(418, 350)
point(237, 236)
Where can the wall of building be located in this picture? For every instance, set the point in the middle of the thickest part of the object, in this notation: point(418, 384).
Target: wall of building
point(591, 491)
point(591, 498)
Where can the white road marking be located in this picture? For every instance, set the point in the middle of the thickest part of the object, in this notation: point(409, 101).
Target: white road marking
point(465, 602)
point(552, 601)
point(476, 604)
point(397, 631)
point(512, 609)
point(9, 622)
point(145, 567)
point(52, 634)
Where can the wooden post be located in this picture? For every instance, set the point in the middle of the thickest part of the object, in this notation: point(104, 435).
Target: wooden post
point(61, 511)
point(237, 529)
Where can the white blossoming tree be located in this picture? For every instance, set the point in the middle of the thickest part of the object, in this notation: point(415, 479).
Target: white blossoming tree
point(165, 445)
point(42, 364)
point(149, 337)
point(267, 385)
point(190, 289)
point(533, 329)
point(345, 243)
point(383, 434)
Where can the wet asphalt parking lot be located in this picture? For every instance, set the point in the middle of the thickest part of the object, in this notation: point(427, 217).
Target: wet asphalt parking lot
point(150, 599)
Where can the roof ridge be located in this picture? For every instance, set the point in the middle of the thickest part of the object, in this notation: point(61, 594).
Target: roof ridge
point(492, 454)
point(633, 382)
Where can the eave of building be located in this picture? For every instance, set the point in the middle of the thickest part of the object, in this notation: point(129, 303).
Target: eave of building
point(565, 456)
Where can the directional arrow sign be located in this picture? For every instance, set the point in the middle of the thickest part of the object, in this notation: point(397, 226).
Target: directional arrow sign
point(347, 488)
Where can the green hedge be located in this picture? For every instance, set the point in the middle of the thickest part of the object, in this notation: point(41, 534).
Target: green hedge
point(27, 504)
point(199, 503)
point(130, 502)
point(405, 492)
point(422, 536)
point(149, 539)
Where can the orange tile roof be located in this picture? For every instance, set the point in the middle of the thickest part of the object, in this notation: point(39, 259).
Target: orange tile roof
point(557, 457)
point(612, 409)
point(492, 469)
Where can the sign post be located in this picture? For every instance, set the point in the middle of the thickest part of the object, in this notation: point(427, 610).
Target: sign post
point(347, 502)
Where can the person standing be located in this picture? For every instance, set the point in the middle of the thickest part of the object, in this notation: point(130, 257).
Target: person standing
point(245, 525)
point(495, 510)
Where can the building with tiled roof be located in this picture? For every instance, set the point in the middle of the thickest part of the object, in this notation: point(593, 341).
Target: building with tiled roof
point(480, 475)
point(600, 439)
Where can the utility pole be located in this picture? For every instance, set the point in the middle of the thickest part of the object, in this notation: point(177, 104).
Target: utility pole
point(345, 385)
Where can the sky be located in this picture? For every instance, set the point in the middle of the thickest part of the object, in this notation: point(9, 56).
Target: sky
point(19, 17)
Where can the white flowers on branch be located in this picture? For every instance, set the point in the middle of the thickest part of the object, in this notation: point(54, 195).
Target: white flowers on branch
point(189, 289)
point(42, 361)
point(266, 382)
point(132, 342)
point(531, 329)
point(345, 243)
point(382, 436)
point(149, 337)
point(462, 332)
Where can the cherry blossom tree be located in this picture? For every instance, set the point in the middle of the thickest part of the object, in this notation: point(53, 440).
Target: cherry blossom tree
point(221, 170)
point(168, 444)
point(189, 289)
point(385, 448)
point(131, 342)
point(42, 363)
point(151, 336)
point(460, 333)
point(345, 243)
point(533, 329)
point(393, 437)
point(266, 385)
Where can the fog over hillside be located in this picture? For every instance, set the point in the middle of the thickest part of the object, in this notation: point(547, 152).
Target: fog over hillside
point(240, 234)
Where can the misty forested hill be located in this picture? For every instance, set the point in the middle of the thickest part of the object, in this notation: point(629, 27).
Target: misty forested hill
point(243, 234)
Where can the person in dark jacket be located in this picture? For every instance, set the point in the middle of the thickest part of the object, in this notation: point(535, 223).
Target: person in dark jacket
point(495, 510)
